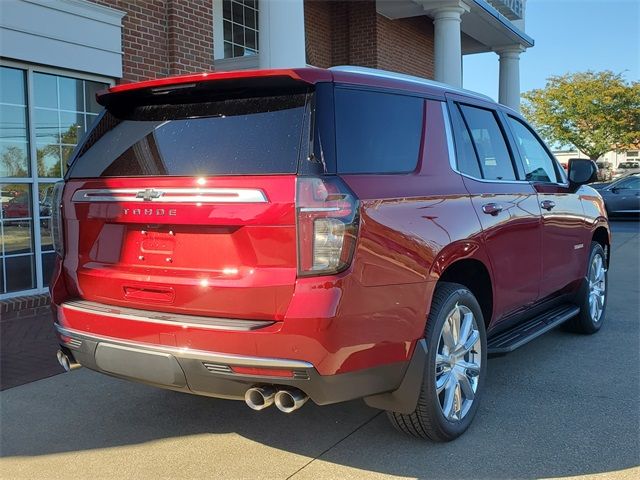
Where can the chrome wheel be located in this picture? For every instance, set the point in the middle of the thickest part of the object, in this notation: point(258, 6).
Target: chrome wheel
point(458, 361)
point(597, 287)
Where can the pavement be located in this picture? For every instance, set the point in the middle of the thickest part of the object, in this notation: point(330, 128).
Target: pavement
point(565, 405)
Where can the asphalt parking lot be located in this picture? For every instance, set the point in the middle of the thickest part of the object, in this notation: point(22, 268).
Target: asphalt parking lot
point(564, 405)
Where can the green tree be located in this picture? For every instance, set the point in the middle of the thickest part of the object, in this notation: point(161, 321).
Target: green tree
point(596, 112)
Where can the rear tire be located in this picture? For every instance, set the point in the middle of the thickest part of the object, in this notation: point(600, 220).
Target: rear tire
point(593, 296)
point(455, 367)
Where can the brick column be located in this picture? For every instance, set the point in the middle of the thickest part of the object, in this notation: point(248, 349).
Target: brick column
point(189, 36)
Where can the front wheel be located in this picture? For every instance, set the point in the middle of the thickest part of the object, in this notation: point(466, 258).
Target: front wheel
point(455, 369)
point(593, 297)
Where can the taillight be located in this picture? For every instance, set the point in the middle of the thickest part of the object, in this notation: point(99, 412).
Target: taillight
point(327, 215)
point(56, 219)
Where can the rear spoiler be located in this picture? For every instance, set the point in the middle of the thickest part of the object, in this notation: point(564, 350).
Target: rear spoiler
point(215, 83)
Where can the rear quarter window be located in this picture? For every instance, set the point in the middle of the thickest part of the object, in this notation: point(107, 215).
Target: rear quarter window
point(377, 132)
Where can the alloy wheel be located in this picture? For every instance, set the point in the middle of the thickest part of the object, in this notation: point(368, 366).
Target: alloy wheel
point(458, 362)
point(597, 287)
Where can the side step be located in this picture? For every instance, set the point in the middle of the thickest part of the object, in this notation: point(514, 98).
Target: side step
point(523, 333)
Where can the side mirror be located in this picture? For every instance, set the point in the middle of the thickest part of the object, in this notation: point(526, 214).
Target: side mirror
point(615, 189)
point(582, 171)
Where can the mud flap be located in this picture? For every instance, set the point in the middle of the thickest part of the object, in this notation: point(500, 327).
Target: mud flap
point(405, 398)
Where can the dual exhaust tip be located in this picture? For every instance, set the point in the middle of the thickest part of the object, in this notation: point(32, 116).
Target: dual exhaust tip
point(286, 400)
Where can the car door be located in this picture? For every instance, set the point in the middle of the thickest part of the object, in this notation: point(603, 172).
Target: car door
point(623, 196)
point(506, 205)
point(565, 236)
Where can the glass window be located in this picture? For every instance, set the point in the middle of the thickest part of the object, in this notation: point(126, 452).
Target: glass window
point(63, 107)
point(240, 27)
point(489, 142)
point(14, 139)
point(17, 237)
point(632, 183)
point(259, 135)
point(377, 132)
point(538, 164)
point(466, 158)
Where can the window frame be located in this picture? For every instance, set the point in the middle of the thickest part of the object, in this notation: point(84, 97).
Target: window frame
point(218, 39)
point(561, 176)
point(33, 179)
point(453, 103)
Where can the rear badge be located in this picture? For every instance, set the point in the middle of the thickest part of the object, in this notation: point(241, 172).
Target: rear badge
point(149, 194)
point(150, 212)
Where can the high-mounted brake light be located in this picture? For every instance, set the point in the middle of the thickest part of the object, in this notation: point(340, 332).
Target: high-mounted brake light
point(327, 216)
point(56, 219)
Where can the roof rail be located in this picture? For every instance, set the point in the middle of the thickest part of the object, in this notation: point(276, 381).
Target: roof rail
point(374, 72)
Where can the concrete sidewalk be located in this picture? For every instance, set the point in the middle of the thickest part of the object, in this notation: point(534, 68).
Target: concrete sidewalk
point(564, 405)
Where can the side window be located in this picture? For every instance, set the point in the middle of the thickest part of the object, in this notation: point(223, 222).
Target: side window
point(538, 164)
point(490, 145)
point(466, 158)
point(632, 183)
point(377, 132)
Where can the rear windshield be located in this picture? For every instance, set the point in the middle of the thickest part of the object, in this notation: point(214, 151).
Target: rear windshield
point(258, 135)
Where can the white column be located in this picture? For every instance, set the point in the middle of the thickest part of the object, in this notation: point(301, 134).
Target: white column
point(281, 33)
point(509, 86)
point(448, 43)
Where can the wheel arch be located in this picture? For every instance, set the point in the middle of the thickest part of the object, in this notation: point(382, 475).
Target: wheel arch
point(602, 236)
point(475, 275)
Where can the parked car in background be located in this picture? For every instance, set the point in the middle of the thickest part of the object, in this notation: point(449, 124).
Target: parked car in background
point(275, 236)
point(622, 197)
point(605, 171)
point(626, 168)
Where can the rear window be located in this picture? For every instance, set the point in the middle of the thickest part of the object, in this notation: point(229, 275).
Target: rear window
point(259, 135)
point(377, 132)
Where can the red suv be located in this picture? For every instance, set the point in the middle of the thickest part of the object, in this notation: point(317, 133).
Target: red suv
point(279, 235)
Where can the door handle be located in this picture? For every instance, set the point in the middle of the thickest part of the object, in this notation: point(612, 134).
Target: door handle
point(492, 208)
point(547, 204)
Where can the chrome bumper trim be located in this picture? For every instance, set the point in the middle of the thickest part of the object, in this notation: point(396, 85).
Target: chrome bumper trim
point(124, 313)
point(214, 357)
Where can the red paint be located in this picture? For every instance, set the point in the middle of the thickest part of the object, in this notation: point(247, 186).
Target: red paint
point(240, 261)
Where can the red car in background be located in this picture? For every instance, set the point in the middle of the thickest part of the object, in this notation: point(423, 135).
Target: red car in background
point(278, 235)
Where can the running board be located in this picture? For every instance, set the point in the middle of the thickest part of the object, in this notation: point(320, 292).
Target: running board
point(523, 333)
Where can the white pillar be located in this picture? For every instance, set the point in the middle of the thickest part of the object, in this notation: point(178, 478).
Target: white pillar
point(281, 33)
point(448, 43)
point(509, 87)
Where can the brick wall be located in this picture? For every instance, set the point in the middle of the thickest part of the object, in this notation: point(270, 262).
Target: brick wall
point(25, 307)
point(165, 37)
point(352, 32)
point(406, 45)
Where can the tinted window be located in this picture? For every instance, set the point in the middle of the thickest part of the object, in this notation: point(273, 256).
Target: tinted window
point(233, 137)
point(538, 164)
point(489, 142)
point(466, 158)
point(377, 132)
point(632, 183)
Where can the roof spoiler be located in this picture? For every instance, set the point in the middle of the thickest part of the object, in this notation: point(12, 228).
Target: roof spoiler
point(218, 82)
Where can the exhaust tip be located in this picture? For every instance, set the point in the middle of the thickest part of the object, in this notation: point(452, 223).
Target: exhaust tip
point(259, 398)
point(67, 361)
point(63, 360)
point(288, 401)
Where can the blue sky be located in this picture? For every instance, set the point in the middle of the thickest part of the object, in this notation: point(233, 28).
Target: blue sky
point(570, 36)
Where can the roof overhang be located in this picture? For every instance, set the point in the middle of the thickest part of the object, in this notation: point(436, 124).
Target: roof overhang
point(484, 28)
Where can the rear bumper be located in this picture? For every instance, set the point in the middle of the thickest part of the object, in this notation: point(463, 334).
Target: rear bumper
point(212, 374)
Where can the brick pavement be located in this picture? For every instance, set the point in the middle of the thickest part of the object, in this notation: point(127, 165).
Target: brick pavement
point(27, 342)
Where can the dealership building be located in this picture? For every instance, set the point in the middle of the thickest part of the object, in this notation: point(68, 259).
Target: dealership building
point(56, 54)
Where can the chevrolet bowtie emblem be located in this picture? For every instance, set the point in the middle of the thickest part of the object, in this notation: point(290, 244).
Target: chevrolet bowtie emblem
point(149, 194)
